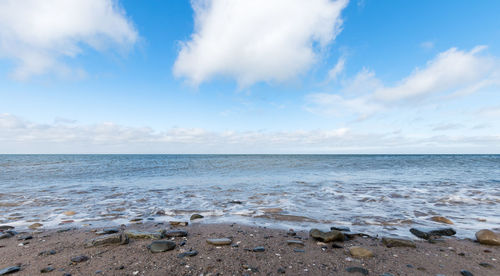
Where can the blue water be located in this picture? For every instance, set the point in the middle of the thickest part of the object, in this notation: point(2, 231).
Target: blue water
point(378, 194)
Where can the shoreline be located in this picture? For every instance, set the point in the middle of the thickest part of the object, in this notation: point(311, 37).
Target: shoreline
point(253, 250)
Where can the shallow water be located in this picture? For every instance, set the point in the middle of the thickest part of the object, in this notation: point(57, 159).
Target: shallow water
point(376, 194)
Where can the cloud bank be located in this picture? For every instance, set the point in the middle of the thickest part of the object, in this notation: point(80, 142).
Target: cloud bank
point(257, 40)
point(38, 35)
point(65, 136)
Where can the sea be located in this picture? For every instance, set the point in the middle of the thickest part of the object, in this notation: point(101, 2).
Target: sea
point(373, 194)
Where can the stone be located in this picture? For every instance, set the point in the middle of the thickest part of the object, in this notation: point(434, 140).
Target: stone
point(161, 246)
point(299, 250)
point(281, 270)
point(69, 213)
point(222, 241)
point(35, 225)
point(487, 265)
point(360, 252)
point(6, 227)
point(393, 242)
point(10, 269)
point(466, 273)
point(191, 253)
point(427, 234)
point(178, 223)
point(259, 249)
point(340, 228)
point(441, 220)
point(295, 242)
point(175, 233)
point(235, 202)
point(330, 236)
point(5, 235)
point(25, 237)
point(47, 253)
point(47, 269)
point(488, 237)
point(357, 269)
point(134, 234)
point(116, 238)
point(79, 259)
point(387, 274)
point(107, 231)
point(195, 216)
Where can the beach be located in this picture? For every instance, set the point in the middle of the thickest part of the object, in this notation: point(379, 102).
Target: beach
point(251, 250)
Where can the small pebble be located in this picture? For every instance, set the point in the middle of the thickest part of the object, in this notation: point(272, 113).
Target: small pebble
point(466, 273)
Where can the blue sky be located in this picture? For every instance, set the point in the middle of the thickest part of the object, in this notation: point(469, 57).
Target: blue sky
point(218, 76)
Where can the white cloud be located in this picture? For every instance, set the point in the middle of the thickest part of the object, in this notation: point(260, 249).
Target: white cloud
point(336, 70)
point(427, 45)
point(257, 40)
point(22, 136)
point(37, 35)
point(450, 74)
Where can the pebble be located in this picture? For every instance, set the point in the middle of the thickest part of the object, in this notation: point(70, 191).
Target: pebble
point(6, 227)
point(387, 274)
point(25, 238)
point(47, 253)
point(466, 273)
point(259, 249)
point(178, 223)
point(35, 225)
point(69, 213)
point(427, 234)
point(5, 235)
point(222, 241)
point(108, 239)
point(80, 259)
point(161, 246)
point(340, 228)
point(281, 270)
point(487, 265)
point(176, 233)
point(360, 252)
point(357, 269)
point(299, 250)
point(10, 269)
point(191, 253)
point(295, 242)
point(195, 216)
point(488, 237)
point(330, 236)
point(392, 242)
point(334, 245)
point(133, 234)
point(441, 220)
point(47, 269)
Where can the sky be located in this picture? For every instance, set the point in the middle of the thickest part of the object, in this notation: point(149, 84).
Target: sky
point(249, 76)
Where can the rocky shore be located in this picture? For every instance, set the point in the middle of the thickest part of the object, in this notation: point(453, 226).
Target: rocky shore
point(182, 248)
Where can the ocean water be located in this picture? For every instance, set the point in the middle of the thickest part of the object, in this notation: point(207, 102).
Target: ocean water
point(375, 194)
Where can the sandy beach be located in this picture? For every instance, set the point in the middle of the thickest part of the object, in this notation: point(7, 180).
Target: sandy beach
point(250, 251)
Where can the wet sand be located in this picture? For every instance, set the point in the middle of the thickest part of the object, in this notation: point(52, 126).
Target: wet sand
point(314, 258)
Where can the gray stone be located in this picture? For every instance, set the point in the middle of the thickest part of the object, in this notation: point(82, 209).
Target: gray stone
point(487, 265)
point(161, 246)
point(330, 236)
point(133, 234)
point(295, 242)
point(393, 242)
point(357, 269)
point(108, 239)
point(5, 235)
point(191, 253)
point(427, 234)
point(466, 273)
point(176, 233)
point(47, 269)
point(6, 227)
point(222, 241)
point(10, 269)
point(80, 259)
point(259, 249)
point(340, 228)
point(107, 231)
point(196, 216)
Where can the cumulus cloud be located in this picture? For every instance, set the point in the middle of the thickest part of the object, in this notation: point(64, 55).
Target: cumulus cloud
point(18, 135)
point(38, 35)
point(257, 40)
point(335, 71)
point(451, 73)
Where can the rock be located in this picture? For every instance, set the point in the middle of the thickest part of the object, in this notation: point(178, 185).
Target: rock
point(334, 245)
point(360, 252)
point(191, 253)
point(387, 274)
point(291, 233)
point(340, 228)
point(235, 202)
point(107, 231)
point(35, 225)
point(178, 223)
point(64, 230)
point(108, 239)
point(69, 213)
point(299, 250)
point(441, 220)
point(272, 210)
point(176, 233)
point(466, 272)
point(427, 234)
point(488, 237)
point(10, 269)
point(161, 246)
point(222, 241)
point(5, 235)
point(47, 269)
point(47, 253)
point(357, 269)
point(487, 265)
point(330, 236)
point(160, 213)
point(133, 234)
point(195, 216)
point(25, 237)
point(281, 270)
point(259, 249)
point(392, 242)
point(295, 242)
point(80, 259)
point(6, 227)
